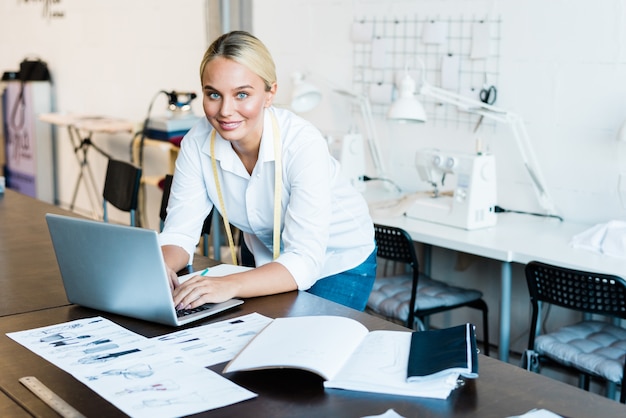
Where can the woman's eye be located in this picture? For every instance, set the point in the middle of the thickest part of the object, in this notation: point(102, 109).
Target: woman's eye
point(242, 95)
point(213, 96)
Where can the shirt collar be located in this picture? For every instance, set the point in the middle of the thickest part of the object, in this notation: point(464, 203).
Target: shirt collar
point(266, 152)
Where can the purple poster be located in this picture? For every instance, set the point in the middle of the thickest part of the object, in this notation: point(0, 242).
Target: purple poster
point(21, 165)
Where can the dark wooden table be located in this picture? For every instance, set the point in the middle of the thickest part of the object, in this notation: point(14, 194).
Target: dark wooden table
point(32, 295)
point(8, 408)
point(501, 390)
point(29, 275)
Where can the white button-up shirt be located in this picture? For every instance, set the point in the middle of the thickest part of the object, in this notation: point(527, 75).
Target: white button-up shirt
point(325, 223)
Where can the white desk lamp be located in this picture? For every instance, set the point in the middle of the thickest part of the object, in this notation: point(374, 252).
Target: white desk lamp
point(408, 109)
point(370, 130)
point(306, 96)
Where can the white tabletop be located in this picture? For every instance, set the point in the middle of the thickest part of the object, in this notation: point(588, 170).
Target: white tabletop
point(516, 237)
point(91, 123)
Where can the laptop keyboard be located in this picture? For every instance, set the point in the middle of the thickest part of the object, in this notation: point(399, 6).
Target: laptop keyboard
point(184, 312)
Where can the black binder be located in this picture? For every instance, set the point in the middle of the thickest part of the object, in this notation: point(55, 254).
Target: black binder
point(449, 350)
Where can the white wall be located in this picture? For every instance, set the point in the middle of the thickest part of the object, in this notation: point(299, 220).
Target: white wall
point(562, 68)
point(108, 58)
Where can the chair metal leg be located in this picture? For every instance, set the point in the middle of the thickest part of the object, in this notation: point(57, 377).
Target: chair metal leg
point(583, 381)
point(205, 245)
point(482, 306)
point(105, 212)
point(410, 321)
point(486, 332)
point(611, 390)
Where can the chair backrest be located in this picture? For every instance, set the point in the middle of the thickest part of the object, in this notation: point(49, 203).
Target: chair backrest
point(121, 187)
point(578, 290)
point(395, 244)
point(581, 291)
point(206, 226)
point(167, 186)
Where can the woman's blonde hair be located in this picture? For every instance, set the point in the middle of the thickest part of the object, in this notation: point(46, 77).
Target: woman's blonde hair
point(245, 49)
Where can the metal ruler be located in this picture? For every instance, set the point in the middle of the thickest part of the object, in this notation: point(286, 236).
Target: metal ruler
point(53, 400)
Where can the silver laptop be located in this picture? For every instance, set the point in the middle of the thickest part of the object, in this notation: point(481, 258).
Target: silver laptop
point(118, 269)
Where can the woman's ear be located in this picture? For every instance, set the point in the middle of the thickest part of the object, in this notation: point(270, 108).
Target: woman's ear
point(270, 95)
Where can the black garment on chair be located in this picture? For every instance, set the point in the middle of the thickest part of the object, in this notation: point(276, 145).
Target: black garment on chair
point(165, 198)
point(409, 296)
point(247, 259)
point(592, 348)
point(121, 188)
point(206, 226)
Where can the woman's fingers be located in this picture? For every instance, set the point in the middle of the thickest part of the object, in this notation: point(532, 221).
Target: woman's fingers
point(197, 291)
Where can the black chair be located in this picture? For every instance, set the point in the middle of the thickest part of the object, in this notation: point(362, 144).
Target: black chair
point(592, 348)
point(206, 226)
point(413, 297)
point(247, 259)
point(121, 188)
point(166, 186)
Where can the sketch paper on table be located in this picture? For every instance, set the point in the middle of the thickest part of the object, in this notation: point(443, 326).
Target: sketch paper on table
point(82, 343)
point(136, 374)
point(217, 342)
point(164, 385)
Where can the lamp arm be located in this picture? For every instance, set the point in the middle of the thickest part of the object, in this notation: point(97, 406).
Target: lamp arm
point(518, 127)
point(460, 101)
point(530, 162)
point(372, 138)
point(368, 120)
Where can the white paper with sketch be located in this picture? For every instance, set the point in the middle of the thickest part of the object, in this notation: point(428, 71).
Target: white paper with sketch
point(343, 352)
point(134, 373)
point(216, 342)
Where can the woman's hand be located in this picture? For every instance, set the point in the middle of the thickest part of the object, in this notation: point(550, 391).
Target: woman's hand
point(268, 279)
point(171, 274)
point(199, 290)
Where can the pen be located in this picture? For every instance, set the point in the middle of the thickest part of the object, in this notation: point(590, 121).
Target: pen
point(204, 272)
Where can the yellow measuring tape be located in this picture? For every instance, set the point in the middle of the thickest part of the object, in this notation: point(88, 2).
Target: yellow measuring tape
point(278, 185)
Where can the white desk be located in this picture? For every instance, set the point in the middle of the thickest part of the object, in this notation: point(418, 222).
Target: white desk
point(81, 129)
point(515, 239)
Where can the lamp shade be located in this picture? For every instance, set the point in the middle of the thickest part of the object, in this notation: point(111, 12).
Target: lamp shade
point(407, 108)
point(305, 96)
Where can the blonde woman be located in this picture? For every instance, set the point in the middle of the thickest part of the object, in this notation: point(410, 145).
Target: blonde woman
point(269, 173)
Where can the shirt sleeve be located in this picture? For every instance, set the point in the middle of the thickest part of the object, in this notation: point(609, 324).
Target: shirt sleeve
point(189, 203)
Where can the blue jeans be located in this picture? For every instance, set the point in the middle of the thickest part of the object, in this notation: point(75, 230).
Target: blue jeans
point(350, 288)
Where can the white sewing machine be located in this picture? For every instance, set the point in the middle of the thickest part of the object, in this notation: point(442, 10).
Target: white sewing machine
point(470, 202)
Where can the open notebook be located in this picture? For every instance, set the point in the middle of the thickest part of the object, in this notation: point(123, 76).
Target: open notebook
point(119, 269)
